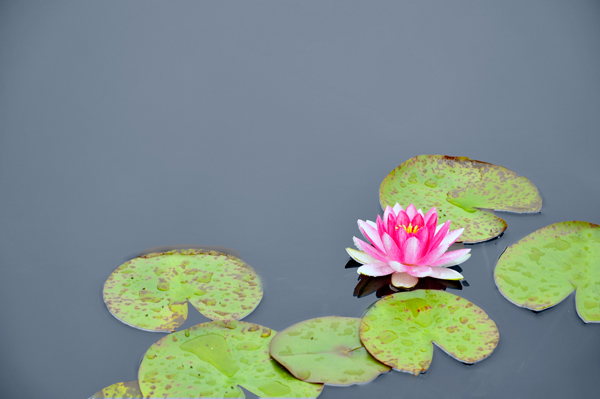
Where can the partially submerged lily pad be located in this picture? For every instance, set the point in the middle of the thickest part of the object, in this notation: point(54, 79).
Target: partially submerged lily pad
point(150, 292)
point(327, 350)
point(460, 188)
point(399, 330)
point(542, 269)
point(212, 359)
point(124, 390)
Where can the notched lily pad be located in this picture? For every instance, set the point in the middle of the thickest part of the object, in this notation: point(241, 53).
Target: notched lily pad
point(212, 359)
point(150, 292)
point(124, 390)
point(543, 268)
point(460, 188)
point(326, 350)
point(399, 330)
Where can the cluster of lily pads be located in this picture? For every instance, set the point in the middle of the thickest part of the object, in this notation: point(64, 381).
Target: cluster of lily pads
point(407, 250)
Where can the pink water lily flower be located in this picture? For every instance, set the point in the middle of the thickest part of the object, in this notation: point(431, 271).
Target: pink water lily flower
point(408, 244)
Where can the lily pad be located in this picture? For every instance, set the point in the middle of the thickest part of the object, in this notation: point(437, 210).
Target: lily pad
point(542, 269)
point(212, 359)
point(460, 188)
point(150, 292)
point(327, 350)
point(399, 330)
point(125, 390)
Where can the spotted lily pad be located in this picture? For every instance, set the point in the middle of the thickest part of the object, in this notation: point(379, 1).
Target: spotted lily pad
point(399, 330)
point(327, 350)
point(459, 188)
point(150, 292)
point(124, 390)
point(543, 268)
point(212, 359)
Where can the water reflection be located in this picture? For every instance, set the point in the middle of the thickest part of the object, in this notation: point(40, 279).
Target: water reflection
point(382, 285)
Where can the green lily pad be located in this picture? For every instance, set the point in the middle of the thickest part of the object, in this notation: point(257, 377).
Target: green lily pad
point(212, 359)
point(327, 350)
point(399, 330)
point(150, 292)
point(460, 188)
point(125, 390)
point(543, 268)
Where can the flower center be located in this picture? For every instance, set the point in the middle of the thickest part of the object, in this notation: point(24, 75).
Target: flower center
point(410, 229)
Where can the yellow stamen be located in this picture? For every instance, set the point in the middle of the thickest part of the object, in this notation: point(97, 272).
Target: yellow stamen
point(410, 229)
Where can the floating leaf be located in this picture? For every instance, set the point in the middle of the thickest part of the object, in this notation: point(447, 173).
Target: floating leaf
point(150, 292)
point(459, 188)
point(543, 268)
point(119, 390)
point(399, 329)
point(212, 359)
point(327, 350)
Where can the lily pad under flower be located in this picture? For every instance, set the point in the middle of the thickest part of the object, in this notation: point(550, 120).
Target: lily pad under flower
point(407, 245)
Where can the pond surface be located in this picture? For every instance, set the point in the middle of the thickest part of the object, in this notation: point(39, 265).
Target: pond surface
point(268, 128)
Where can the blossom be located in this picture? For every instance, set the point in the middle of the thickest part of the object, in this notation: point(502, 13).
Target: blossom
point(408, 244)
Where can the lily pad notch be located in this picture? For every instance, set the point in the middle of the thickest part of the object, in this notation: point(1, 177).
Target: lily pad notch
point(151, 292)
point(400, 330)
point(545, 267)
point(461, 189)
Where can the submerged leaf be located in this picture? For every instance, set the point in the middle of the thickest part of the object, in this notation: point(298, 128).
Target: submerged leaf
point(460, 188)
point(399, 330)
point(542, 269)
point(326, 350)
point(212, 359)
point(124, 390)
point(150, 292)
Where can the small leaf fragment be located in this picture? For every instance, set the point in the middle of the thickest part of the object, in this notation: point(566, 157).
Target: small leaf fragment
point(124, 390)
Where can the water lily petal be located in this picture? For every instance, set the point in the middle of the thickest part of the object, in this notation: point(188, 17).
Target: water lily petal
point(376, 269)
point(434, 250)
point(390, 224)
point(398, 267)
point(429, 214)
point(404, 280)
point(397, 208)
point(372, 224)
point(452, 258)
point(451, 237)
point(445, 274)
point(386, 214)
point(402, 219)
point(423, 237)
point(411, 211)
point(401, 237)
point(369, 250)
point(419, 271)
point(370, 234)
point(418, 220)
point(391, 249)
point(380, 227)
point(360, 256)
point(410, 251)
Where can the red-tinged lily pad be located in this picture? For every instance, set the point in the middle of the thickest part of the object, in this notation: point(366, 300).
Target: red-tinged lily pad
point(460, 188)
point(399, 330)
point(542, 269)
point(326, 350)
point(151, 292)
point(121, 390)
point(212, 359)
